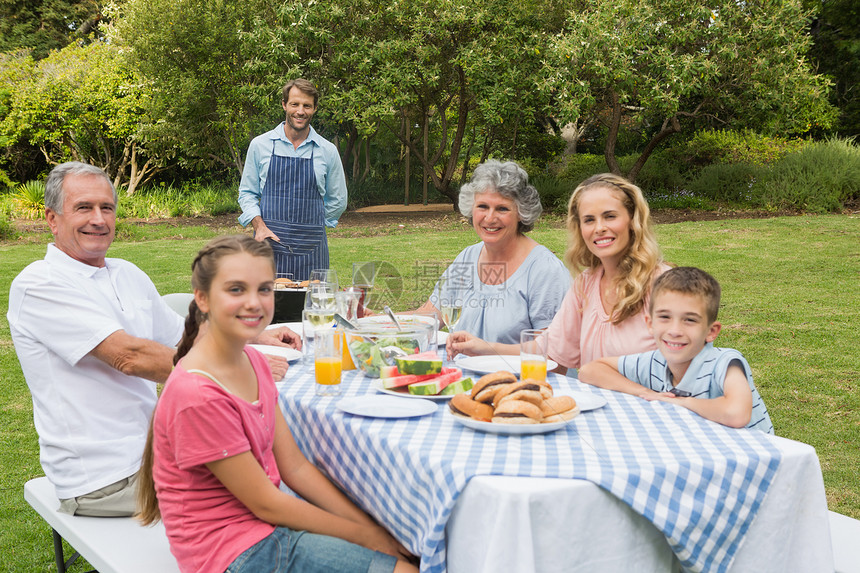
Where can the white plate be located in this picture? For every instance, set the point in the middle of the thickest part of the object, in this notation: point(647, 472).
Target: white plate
point(494, 363)
point(403, 392)
point(585, 400)
point(385, 407)
point(291, 354)
point(510, 429)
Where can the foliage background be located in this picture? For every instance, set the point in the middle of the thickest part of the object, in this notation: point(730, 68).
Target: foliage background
point(415, 93)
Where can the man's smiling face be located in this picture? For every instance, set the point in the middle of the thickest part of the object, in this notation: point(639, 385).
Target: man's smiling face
point(85, 229)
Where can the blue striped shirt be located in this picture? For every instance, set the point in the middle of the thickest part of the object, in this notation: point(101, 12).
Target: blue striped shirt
point(704, 377)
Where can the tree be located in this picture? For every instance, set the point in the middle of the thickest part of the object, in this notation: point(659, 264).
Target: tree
point(19, 158)
point(46, 25)
point(204, 100)
point(674, 65)
point(836, 52)
point(81, 103)
point(412, 65)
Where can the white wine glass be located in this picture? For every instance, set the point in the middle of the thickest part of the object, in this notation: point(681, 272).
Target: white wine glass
point(451, 294)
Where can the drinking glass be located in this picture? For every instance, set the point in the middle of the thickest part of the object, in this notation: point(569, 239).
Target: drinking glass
point(431, 318)
point(321, 296)
point(451, 294)
point(324, 276)
point(311, 320)
point(533, 344)
point(328, 360)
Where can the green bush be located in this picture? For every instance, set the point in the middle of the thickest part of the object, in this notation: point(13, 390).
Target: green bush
point(6, 184)
point(659, 175)
point(708, 146)
point(29, 199)
point(729, 183)
point(821, 177)
point(8, 232)
point(192, 199)
point(538, 149)
point(581, 166)
point(554, 192)
point(213, 200)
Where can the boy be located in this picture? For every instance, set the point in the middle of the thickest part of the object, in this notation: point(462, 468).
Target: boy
point(686, 369)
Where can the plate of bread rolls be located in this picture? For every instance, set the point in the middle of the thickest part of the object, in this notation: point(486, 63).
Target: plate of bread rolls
point(499, 403)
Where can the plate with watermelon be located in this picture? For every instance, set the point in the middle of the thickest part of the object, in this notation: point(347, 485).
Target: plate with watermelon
point(422, 375)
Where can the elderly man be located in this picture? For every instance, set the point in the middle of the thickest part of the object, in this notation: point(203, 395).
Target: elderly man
point(92, 335)
point(293, 186)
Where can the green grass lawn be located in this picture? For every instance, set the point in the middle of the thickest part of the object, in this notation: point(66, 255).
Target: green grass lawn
point(791, 304)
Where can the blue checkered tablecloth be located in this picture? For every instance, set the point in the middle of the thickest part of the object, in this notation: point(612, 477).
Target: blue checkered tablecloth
point(698, 482)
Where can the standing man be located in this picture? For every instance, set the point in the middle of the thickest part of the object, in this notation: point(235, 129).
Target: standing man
point(92, 335)
point(293, 186)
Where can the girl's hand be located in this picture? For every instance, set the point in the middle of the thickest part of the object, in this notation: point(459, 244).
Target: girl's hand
point(380, 540)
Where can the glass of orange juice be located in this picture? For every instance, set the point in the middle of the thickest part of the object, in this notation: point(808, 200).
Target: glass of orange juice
point(533, 345)
point(328, 360)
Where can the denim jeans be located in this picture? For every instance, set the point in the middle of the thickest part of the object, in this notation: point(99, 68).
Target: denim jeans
point(300, 551)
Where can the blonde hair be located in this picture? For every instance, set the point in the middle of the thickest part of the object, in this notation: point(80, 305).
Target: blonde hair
point(639, 263)
point(203, 271)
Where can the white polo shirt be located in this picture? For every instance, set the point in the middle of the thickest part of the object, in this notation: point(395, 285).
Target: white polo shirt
point(92, 420)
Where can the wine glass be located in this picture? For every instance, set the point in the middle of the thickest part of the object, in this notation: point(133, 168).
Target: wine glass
point(324, 276)
point(451, 294)
point(319, 311)
point(363, 277)
point(322, 288)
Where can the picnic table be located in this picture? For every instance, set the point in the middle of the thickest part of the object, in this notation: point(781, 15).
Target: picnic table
point(632, 485)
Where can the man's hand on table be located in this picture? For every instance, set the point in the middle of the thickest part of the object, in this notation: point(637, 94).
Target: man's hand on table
point(281, 336)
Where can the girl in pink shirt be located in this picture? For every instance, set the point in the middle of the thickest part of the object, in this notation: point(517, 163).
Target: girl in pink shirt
point(219, 445)
point(614, 256)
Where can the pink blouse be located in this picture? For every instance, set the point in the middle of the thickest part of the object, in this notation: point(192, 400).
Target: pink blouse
point(582, 331)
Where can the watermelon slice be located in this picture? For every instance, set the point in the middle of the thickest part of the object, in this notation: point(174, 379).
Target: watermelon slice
point(457, 387)
point(436, 384)
point(423, 363)
point(388, 372)
point(405, 380)
point(427, 354)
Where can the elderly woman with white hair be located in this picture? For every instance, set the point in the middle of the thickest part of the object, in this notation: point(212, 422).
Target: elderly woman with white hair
point(507, 282)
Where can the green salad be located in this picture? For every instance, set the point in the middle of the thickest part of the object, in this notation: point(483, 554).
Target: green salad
point(370, 356)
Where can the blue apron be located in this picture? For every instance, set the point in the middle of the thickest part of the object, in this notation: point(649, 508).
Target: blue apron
point(293, 209)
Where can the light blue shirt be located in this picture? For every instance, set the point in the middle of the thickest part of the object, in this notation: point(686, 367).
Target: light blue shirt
point(704, 378)
point(528, 298)
point(331, 180)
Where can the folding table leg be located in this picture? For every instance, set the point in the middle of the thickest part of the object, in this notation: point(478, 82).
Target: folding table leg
point(62, 564)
